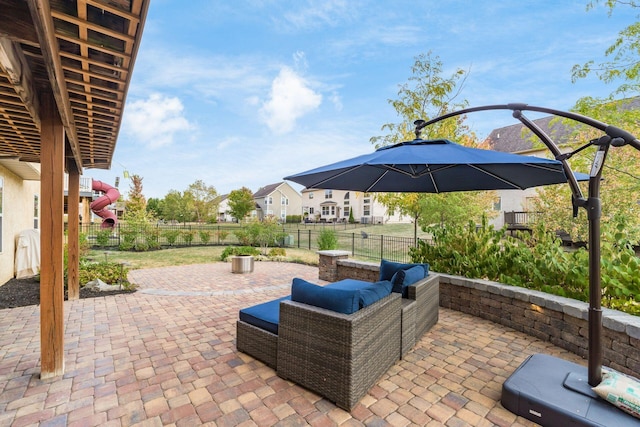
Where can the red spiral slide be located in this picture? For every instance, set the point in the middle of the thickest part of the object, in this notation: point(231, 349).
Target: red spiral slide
point(99, 206)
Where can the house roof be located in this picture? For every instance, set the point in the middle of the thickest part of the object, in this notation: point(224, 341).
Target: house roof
point(518, 138)
point(266, 190)
point(81, 52)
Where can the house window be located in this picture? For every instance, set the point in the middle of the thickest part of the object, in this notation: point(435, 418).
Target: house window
point(268, 200)
point(367, 198)
point(284, 201)
point(325, 210)
point(1, 209)
point(366, 210)
point(36, 199)
point(328, 194)
point(346, 211)
point(311, 195)
point(497, 204)
point(310, 211)
point(346, 196)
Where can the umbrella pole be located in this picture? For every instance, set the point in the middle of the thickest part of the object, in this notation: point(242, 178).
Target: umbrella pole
point(594, 212)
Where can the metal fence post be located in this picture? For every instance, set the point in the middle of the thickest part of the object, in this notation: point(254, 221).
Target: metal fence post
point(309, 239)
point(381, 246)
point(353, 244)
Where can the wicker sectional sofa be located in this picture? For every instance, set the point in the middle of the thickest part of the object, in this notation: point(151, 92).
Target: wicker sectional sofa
point(341, 356)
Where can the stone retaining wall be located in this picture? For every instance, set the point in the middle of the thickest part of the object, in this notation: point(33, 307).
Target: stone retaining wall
point(561, 321)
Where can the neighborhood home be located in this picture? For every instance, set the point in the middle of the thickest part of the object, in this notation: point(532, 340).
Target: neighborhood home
point(224, 212)
point(19, 212)
point(337, 205)
point(516, 207)
point(278, 200)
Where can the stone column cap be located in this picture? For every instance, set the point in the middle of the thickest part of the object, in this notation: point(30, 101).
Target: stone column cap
point(334, 253)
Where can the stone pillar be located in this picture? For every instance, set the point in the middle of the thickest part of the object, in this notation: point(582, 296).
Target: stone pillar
point(328, 264)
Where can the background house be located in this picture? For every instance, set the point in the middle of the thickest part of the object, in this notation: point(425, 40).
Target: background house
point(334, 206)
point(516, 207)
point(279, 200)
point(224, 212)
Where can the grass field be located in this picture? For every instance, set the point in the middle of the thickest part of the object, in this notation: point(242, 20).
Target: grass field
point(185, 256)
point(207, 254)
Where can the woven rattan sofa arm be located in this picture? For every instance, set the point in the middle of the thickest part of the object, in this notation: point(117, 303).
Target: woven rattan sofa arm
point(336, 355)
point(426, 293)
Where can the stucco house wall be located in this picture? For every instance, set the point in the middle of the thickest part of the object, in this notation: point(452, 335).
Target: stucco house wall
point(17, 199)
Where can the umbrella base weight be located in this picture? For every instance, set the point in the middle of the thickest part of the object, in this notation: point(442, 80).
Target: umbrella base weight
point(554, 392)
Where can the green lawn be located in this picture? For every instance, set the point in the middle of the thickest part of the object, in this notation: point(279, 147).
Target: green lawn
point(185, 256)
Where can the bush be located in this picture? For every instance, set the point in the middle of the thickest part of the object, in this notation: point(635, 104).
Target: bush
point(188, 236)
point(109, 272)
point(535, 261)
point(222, 235)
point(327, 239)
point(293, 219)
point(277, 252)
point(171, 236)
point(205, 236)
point(238, 250)
point(103, 236)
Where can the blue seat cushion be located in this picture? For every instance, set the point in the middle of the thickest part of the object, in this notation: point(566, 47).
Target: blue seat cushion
point(346, 301)
point(405, 277)
point(264, 316)
point(389, 268)
point(369, 292)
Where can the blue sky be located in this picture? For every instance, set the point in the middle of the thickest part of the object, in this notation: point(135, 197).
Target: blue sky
point(244, 93)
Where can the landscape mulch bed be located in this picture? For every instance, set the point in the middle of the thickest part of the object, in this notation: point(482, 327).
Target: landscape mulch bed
point(23, 292)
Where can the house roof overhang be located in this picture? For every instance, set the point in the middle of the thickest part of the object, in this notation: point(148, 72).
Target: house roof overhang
point(82, 52)
point(26, 171)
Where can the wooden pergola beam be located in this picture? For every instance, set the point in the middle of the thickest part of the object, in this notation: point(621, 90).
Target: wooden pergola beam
point(15, 65)
point(43, 24)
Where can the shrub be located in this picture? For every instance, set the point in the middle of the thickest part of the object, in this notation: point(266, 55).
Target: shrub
point(222, 235)
point(171, 236)
point(188, 236)
point(103, 236)
point(205, 236)
point(535, 261)
point(327, 239)
point(109, 272)
point(277, 252)
point(238, 250)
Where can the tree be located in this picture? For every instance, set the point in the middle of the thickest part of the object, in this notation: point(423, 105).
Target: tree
point(178, 206)
point(624, 55)
point(620, 187)
point(136, 207)
point(205, 202)
point(154, 207)
point(428, 95)
point(241, 203)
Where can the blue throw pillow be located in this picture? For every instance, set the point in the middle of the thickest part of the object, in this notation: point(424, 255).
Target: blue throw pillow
point(374, 292)
point(338, 300)
point(389, 268)
point(403, 278)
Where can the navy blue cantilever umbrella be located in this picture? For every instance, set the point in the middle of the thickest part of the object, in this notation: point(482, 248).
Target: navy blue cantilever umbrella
point(434, 166)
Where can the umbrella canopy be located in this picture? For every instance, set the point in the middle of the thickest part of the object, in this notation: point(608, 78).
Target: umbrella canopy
point(434, 166)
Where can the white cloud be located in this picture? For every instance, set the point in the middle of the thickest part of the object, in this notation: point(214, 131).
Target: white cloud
point(290, 99)
point(156, 120)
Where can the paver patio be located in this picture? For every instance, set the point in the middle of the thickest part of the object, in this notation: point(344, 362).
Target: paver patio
point(166, 355)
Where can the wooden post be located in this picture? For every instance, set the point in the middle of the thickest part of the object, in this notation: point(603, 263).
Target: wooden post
point(73, 233)
point(51, 240)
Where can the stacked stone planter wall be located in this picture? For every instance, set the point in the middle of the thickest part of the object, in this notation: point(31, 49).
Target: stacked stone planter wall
point(561, 321)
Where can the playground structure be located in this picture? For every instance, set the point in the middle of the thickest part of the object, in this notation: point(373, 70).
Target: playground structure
point(99, 206)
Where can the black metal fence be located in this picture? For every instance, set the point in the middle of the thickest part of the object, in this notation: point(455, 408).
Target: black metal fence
point(362, 245)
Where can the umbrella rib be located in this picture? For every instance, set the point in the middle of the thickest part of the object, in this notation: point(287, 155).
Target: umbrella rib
point(377, 180)
point(334, 176)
